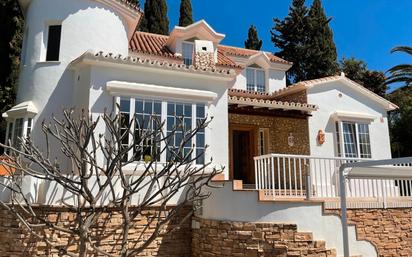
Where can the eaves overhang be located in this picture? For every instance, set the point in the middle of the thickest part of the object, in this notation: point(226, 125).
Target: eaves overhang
point(136, 63)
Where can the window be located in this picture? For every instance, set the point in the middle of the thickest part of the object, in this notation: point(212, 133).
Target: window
point(148, 115)
point(263, 141)
point(187, 53)
point(181, 122)
point(255, 79)
point(364, 141)
point(125, 123)
point(353, 140)
point(29, 126)
point(200, 136)
point(53, 43)
point(9, 133)
point(17, 129)
point(178, 116)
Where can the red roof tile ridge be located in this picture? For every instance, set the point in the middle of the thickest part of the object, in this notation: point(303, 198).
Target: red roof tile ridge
point(151, 34)
point(250, 52)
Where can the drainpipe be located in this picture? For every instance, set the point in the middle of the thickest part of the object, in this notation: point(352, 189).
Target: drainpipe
point(342, 188)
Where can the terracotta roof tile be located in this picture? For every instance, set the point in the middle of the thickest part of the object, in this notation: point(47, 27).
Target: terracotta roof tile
point(237, 51)
point(6, 170)
point(271, 104)
point(149, 43)
point(223, 60)
point(154, 44)
point(249, 94)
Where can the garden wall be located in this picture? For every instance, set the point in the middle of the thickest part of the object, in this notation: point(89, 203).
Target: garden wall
point(15, 241)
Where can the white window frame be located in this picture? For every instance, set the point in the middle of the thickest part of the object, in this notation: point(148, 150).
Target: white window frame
point(255, 85)
point(163, 116)
point(340, 142)
point(27, 127)
point(183, 51)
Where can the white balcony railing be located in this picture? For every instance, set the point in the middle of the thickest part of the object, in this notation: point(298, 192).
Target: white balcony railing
point(301, 176)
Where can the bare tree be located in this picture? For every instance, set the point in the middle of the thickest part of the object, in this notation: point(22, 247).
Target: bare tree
point(100, 182)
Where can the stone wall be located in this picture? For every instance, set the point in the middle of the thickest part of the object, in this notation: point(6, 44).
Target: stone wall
point(204, 60)
point(390, 230)
point(298, 97)
point(280, 128)
point(15, 241)
point(240, 239)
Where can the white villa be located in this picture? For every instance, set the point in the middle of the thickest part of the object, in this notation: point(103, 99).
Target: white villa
point(281, 145)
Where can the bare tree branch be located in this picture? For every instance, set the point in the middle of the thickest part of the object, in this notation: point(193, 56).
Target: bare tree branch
point(116, 169)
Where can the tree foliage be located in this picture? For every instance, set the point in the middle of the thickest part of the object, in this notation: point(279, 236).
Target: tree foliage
point(290, 37)
point(155, 18)
point(186, 17)
point(11, 31)
point(100, 182)
point(402, 72)
point(358, 71)
point(400, 122)
point(253, 42)
point(320, 48)
point(136, 2)
point(305, 38)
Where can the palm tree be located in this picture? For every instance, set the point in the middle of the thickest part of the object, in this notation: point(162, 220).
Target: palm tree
point(401, 72)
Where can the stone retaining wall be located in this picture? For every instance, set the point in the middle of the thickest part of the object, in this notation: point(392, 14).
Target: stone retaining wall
point(390, 230)
point(14, 241)
point(241, 239)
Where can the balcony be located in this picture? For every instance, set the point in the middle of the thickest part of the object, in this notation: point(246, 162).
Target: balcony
point(294, 177)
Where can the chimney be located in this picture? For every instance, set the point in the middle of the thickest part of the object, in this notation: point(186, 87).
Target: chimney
point(204, 56)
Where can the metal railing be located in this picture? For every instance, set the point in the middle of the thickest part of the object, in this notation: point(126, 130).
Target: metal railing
point(302, 176)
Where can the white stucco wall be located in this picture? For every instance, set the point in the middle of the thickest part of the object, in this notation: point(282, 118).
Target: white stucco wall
point(216, 133)
point(85, 25)
point(275, 80)
point(327, 97)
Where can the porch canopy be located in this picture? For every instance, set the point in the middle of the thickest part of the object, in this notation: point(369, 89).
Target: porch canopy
point(400, 168)
point(391, 169)
point(257, 100)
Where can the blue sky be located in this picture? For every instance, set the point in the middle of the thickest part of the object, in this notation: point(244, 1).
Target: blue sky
point(365, 29)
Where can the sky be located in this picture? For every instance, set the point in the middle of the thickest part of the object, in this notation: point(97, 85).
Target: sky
point(364, 29)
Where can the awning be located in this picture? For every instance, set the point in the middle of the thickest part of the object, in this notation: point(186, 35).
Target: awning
point(382, 172)
point(122, 88)
point(24, 109)
point(339, 115)
point(400, 168)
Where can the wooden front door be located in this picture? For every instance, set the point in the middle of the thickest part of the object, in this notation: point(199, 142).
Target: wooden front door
point(242, 149)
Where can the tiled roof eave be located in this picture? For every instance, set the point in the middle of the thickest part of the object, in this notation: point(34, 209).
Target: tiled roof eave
point(271, 104)
point(90, 56)
point(130, 5)
point(175, 57)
